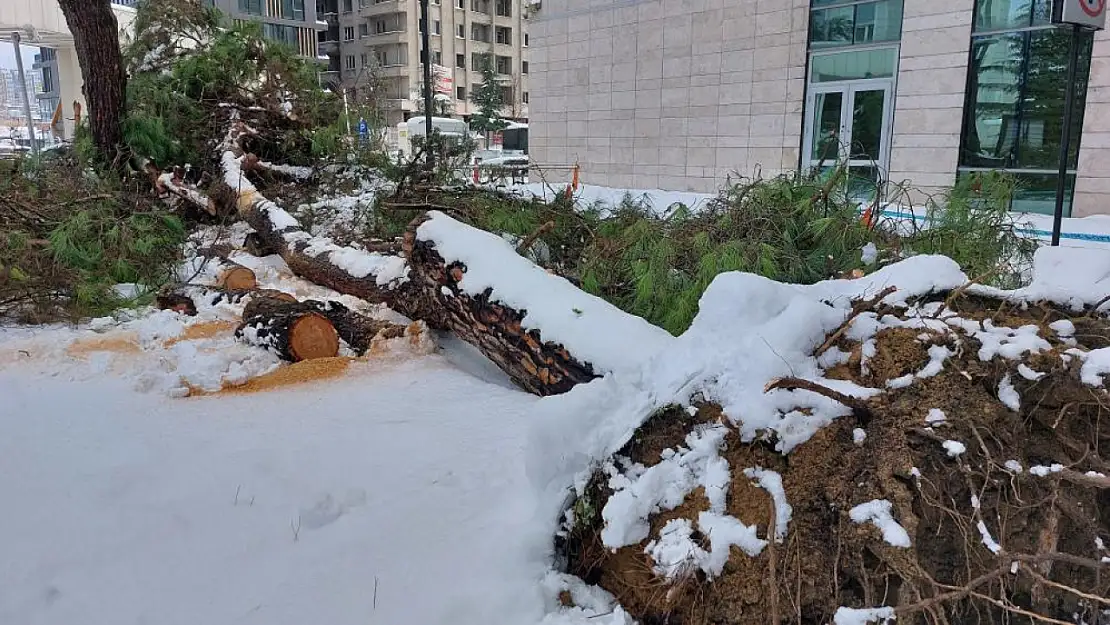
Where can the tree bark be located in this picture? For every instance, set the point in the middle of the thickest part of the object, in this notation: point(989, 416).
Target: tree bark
point(540, 367)
point(96, 40)
point(295, 331)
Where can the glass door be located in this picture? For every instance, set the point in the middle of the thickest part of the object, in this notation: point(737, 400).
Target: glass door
point(850, 122)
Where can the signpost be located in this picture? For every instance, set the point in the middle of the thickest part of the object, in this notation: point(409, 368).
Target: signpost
point(1080, 15)
point(363, 130)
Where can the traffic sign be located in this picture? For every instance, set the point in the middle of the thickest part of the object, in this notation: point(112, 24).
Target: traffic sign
point(1087, 13)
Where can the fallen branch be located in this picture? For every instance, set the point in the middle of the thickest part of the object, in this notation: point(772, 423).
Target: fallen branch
point(857, 309)
point(858, 406)
point(530, 240)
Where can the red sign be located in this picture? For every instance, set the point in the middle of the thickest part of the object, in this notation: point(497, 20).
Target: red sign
point(1094, 8)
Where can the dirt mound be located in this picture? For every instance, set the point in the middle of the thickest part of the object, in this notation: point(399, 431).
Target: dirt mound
point(1007, 512)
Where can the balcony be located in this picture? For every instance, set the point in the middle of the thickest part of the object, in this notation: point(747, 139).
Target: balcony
point(327, 48)
point(391, 36)
point(379, 8)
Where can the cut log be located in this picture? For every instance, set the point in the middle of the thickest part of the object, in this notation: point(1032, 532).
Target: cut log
point(294, 331)
point(183, 298)
point(358, 331)
point(227, 274)
point(255, 246)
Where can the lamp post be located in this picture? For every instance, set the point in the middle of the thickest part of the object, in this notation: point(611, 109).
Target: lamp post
point(426, 59)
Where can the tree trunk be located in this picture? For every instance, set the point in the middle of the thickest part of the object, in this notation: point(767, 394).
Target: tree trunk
point(96, 40)
point(540, 367)
point(295, 331)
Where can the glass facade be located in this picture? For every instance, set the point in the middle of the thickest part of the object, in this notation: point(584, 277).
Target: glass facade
point(1013, 116)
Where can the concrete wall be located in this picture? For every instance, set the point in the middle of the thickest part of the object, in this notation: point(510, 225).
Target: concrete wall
point(1092, 192)
point(931, 85)
point(673, 94)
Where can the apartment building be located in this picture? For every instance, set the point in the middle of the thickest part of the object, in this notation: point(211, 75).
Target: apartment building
point(679, 94)
point(294, 22)
point(380, 44)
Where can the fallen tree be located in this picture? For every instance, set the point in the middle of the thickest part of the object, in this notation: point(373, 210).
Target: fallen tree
point(295, 331)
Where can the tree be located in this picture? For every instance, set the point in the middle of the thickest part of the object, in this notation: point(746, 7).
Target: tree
point(489, 100)
point(96, 40)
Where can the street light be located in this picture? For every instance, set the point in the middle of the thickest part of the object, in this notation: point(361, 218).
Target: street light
point(426, 59)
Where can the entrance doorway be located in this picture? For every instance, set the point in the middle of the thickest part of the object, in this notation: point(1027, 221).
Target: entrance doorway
point(850, 121)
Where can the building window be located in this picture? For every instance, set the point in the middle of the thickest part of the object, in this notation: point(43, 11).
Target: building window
point(504, 8)
point(855, 24)
point(349, 62)
point(504, 65)
point(437, 28)
point(480, 32)
point(525, 39)
point(460, 93)
point(365, 59)
point(1014, 110)
point(363, 30)
point(250, 7)
point(507, 95)
point(437, 57)
point(460, 61)
point(460, 4)
point(524, 97)
point(524, 67)
point(292, 10)
point(479, 61)
point(348, 6)
point(481, 6)
point(460, 31)
point(280, 33)
point(349, 33)
point(503, 34)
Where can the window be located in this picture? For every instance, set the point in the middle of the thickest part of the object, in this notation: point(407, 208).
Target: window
point(1014, 108)
point(524, 67)
point(855, 24)
point(524, 97)
point(460, 31)
point(250, 7)
point(47, 79)
point(349, 62)
point(460, 93)
point(460, 61)
point(525, 39)
point(460, 4)
point(478, 61)
point(363, 29)
point(348, 6)
point(503, 35)
point(437, 28)
point(278, 32)
point(348, 33)
point(437, 57)
point(507, 95)
point(365, 59)
point(480, 32)
point(481, 6)
point(504, 65)
point(292, 9)
point(504, 8)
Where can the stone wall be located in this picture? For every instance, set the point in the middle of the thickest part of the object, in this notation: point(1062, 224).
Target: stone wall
point(673, 94)
point(1092, 192)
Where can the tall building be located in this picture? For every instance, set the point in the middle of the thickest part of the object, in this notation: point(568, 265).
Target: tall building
point(291, 21)
point(379, 44)
point(679, 94)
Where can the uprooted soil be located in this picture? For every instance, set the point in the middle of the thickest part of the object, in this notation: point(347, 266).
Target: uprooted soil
point(1049, 527)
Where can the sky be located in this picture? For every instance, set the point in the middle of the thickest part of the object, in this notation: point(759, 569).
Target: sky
point(7, 55)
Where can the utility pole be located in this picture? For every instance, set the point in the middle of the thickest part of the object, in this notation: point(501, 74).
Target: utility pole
point(26, 96)
point(1065, 143)
point(426, 58)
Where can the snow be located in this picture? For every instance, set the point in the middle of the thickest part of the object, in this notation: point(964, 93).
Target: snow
point(869, 254)
point(859, 435)
point(1063, 327)
point(677, 555)
point(1013, 466)
point(877, 511)
point(1096, 363)
point(1008, 395)
point(1028, 373)
point(856, 616)
point(589, 327)
point(936, 416)
point(283, 509)
point(1069, 276)
point(771, 482)
point(358, 263)
point(954, 448)
point(987, 539)
point(1041, 470)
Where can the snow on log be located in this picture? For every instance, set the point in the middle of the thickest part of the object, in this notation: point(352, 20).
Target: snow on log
point(184, 298)
point(173, 183)
point(358, 331)
point(367, 275)
point(294, 331)
point(544, 332)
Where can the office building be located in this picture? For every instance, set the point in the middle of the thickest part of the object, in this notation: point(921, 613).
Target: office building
point(679, 94)
point(294, 22)
point(379, 45)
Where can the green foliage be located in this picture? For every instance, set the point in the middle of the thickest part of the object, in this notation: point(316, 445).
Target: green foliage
point(973, 227)
point(487, 97)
